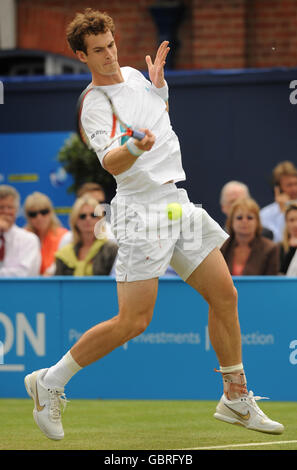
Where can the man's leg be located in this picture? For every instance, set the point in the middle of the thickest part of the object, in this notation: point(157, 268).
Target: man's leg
point(46, 387)
point(213, 281)
point(136, 306)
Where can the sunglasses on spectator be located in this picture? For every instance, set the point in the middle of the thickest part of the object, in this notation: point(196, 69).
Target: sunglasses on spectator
point(240, 217)
point(33, 214)
point(84, 216)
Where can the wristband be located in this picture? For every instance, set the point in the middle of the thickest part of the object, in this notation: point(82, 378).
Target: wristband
point(162, 92)
point(133, 149)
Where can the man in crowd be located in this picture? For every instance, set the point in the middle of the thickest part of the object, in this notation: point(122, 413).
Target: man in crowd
point(19, 249)
point(285, 191)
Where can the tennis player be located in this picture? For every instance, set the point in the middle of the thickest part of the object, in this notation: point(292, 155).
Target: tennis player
point(146, 172)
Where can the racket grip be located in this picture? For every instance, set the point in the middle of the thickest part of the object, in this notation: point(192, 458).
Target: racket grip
point(138, 135)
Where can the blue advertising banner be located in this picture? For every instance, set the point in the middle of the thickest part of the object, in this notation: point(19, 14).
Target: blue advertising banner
point(30, 330)
point(40, 319)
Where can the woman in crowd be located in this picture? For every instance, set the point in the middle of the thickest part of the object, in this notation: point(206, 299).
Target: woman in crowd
point(42, 220)
point(90, 253)
point(289, 243)
point(246, 251)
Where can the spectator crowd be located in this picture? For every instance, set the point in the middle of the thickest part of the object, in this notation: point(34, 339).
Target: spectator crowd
point(262, 241)
point(44, 248)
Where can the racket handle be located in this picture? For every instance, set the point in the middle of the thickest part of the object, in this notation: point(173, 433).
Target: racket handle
point(138, 135)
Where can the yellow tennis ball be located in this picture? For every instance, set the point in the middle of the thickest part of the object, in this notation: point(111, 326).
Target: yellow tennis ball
point(174, 211)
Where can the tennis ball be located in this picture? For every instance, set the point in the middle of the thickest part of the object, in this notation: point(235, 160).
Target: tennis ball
point(174, 211)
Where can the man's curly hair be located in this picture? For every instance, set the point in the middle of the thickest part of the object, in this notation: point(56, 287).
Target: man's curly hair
point(86, 23)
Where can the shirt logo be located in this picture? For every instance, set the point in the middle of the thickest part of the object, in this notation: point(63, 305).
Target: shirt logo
point(99, 132)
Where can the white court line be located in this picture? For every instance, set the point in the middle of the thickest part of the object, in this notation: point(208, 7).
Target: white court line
point(12, 368)
point(250, 444)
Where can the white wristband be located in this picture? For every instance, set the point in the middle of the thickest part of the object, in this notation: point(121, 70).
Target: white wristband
point(162, 92)
point(133, 149)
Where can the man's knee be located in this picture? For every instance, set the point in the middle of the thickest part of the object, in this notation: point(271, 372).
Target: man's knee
point(226, 301)
point(134, 323)
point(141, 325)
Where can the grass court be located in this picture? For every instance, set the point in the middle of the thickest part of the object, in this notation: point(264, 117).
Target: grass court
point(143, 425)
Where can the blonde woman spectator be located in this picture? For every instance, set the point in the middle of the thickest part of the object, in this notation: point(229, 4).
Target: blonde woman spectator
point(96, 191)
point(88, 254)
point(42, 220)
point(246, 251)
point(289, 244)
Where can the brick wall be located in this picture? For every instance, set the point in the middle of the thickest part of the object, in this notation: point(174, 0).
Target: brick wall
point(213, 33)
point(272, 38)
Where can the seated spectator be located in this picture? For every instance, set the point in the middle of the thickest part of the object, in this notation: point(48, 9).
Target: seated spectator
point(232, 191)
point(285, 192)
point(96, 191)
point(88, 254)
point(246, 251)
point(292, 269)
point(19, 250)
point(42, 220)
point(289, 244)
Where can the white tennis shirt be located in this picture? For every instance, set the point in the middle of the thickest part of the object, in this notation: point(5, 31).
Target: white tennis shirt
point(139, 107)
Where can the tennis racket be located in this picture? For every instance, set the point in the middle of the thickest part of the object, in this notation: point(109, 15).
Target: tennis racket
point(112, 137)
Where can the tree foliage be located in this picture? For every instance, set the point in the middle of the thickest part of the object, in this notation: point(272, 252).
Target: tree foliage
point(83, 165)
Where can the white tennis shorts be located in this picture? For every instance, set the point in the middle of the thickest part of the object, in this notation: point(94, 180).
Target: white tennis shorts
point(149, 241)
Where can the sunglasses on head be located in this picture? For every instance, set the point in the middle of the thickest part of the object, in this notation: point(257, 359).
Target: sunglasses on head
point(84, 216)
point(33, 214)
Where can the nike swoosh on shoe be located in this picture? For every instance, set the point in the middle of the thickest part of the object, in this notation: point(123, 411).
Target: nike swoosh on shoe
point(245, 417)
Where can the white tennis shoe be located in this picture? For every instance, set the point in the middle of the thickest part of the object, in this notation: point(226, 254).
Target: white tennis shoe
point(48, 403)
point(246, 412)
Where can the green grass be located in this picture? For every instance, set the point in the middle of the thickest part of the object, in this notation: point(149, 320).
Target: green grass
point(139, 425)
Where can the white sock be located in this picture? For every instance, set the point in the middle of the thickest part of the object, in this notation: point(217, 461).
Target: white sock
point(60, 374)
point(230, 369)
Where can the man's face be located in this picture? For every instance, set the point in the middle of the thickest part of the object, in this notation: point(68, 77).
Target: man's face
point(8, 212)
point(101, 56)
point(231, 195)
point(288, 185)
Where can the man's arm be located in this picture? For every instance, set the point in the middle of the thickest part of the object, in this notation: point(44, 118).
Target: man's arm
point(120, 159)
